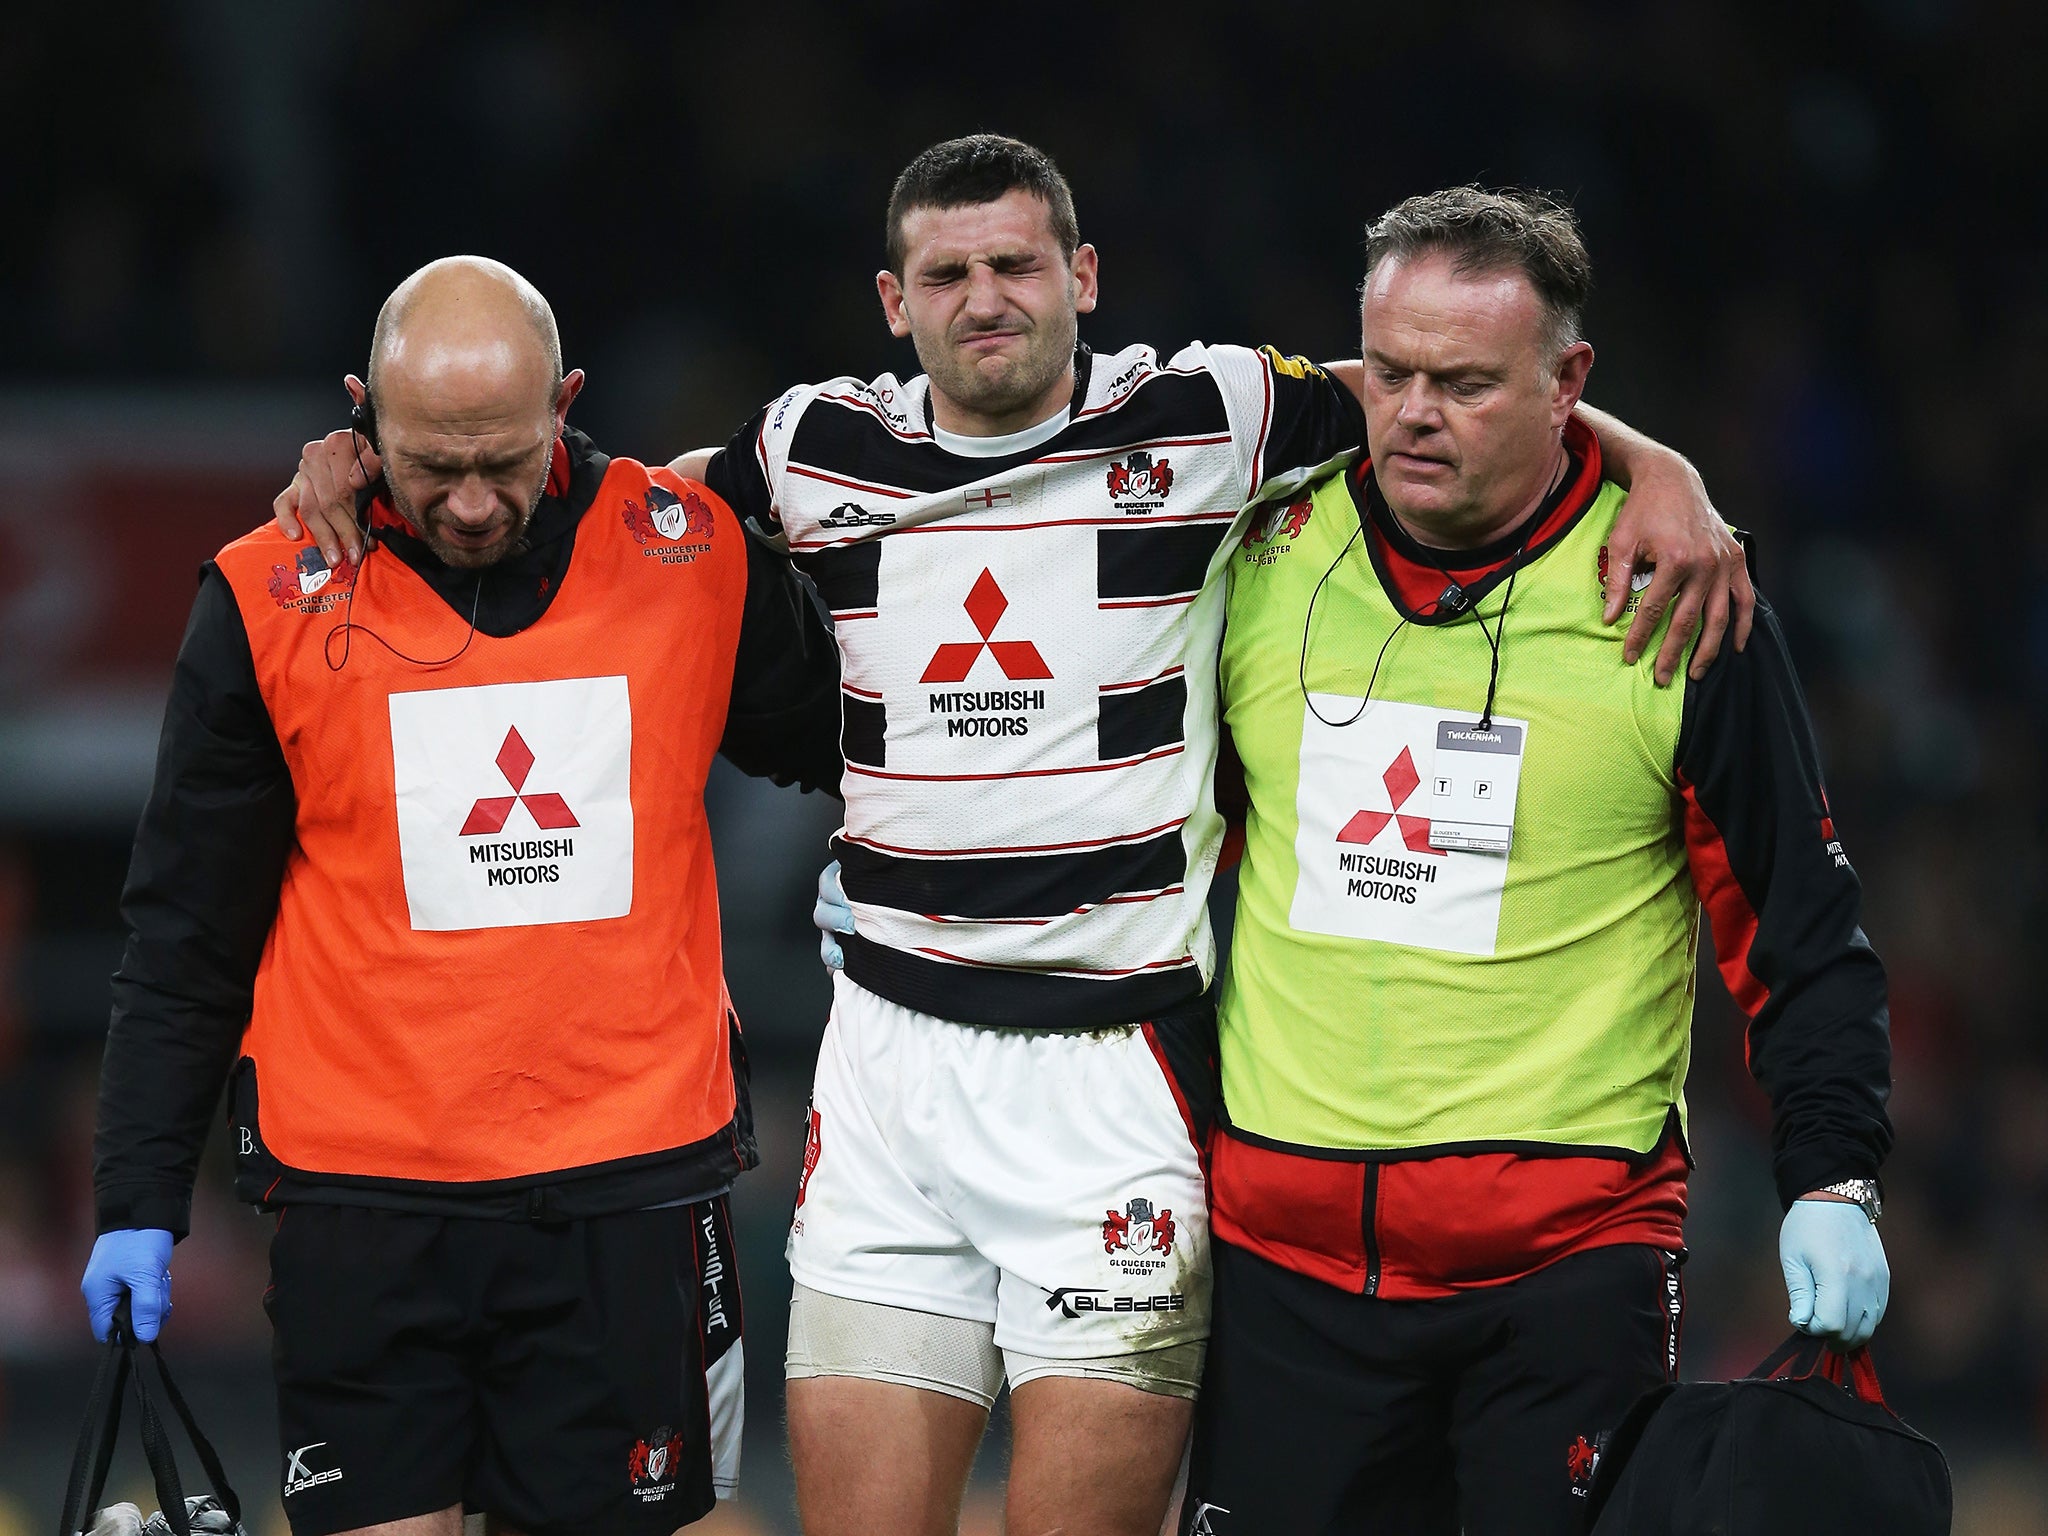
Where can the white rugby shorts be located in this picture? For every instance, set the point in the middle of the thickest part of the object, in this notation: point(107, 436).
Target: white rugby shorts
point(1050, 1184)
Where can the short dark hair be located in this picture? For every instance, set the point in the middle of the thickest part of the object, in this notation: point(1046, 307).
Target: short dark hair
point(1485, 231)
point(979, 169)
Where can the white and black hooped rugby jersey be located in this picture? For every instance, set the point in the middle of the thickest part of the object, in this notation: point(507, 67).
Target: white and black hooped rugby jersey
point(1028, 634)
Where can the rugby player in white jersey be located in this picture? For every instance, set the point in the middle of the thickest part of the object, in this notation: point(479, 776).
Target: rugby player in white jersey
point(1002, 1178)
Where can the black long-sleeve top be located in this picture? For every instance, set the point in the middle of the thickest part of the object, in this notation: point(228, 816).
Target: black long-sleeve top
point(203, 882)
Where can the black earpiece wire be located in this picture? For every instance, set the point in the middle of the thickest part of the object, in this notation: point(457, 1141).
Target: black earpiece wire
point(362, 419)
point(1494, 636)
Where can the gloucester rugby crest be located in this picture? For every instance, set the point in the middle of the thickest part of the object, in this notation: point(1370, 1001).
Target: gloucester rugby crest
point(1139, 483)
point(652, 1465)
point(674, 528)
point(311, 585)
point(1138, 1240)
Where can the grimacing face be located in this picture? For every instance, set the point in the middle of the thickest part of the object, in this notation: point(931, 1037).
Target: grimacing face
point(1464, 401)
point(991, 304)
point(469, 485)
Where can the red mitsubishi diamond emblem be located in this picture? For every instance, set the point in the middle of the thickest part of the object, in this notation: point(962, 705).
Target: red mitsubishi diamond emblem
point(515, 760)
point(1401, 781)
point(985, 605)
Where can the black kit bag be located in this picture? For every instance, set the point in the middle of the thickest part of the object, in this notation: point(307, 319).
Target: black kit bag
point(1805, 1444)
point(218, 1514)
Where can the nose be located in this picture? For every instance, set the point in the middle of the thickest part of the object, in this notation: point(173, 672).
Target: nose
point(472, 502)
point(1418, 408)
point(985, 299)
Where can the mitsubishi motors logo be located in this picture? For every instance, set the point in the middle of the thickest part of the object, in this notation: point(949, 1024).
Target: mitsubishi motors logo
point(985, 605)
point(1401, 781)
point(515, 761)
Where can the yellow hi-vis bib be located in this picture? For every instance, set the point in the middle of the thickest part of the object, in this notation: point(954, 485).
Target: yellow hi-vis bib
point(1386, 991)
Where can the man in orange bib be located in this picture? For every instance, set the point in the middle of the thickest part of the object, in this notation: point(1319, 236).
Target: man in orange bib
point(425, 876)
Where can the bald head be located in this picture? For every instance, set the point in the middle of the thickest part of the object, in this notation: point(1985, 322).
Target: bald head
point(465, 321)
point(466, 377)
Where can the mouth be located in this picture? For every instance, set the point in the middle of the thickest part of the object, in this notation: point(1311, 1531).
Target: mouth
point(987, 341)
point(1418, 464)
point(462, 540)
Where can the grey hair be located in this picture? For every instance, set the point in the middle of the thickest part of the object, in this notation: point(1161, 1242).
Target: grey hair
point(1487, 231)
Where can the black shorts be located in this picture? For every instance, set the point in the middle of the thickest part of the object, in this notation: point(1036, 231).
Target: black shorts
point(569, 1377)
point(1325, 1411)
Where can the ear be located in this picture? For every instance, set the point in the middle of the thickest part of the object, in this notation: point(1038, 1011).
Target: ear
point(890, 287)
point(572, 386)
point(1086, 279)
point(358, 391)
point(1572, 368)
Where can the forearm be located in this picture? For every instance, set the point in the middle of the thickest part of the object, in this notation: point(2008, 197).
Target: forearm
point(783, 719)
point(1786, 909)
point(1825, 1060)
point(198, 903)
point(1630, 458)
point(692, 465)
point(167, 1059)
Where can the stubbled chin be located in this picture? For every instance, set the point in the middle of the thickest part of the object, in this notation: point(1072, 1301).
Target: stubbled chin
point(465, 557)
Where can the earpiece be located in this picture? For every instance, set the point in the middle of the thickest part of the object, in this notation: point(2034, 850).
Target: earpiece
point(362, 417)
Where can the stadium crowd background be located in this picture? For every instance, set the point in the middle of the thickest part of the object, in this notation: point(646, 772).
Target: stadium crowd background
point(1821, 249)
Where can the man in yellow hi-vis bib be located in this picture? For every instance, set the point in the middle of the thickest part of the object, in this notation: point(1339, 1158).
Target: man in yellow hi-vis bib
point(1448, 1201)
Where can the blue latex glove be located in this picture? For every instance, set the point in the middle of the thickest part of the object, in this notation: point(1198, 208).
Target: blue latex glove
point(136, 1260)
point(833, 915)
point(1835, 1271)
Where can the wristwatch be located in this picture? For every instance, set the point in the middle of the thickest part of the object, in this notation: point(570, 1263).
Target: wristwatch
point(1863, 1192)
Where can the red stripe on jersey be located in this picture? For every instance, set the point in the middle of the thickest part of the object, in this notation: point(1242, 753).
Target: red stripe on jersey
point(951, 525)
point(1018, 773)
point(1066, 522)
point(1265, 421)
point(851, 485)
point(1086, 842)
point(1728, 906)
point(1157, 371)
point(875, 411)
point(1150, 442)
point(1143, 682)
point(1065, 970)
point(1180, 1100)
point(1133, 899)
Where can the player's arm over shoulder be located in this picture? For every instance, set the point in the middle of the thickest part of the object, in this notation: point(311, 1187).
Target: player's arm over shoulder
point(1291, 417)
point(747, 471)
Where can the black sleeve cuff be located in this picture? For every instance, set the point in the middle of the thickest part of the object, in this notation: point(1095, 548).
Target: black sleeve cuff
point(139, 1207)
point(1806, 1169)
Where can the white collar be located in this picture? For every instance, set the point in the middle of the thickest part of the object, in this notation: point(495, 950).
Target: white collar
point(998, 447)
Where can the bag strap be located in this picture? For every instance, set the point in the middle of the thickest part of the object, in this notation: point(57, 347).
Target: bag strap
point(1861, 1372)
point(209, 1459)
point(163, 1466)
point(96, 1438)
point(1802, 1357)
point(101, 1433)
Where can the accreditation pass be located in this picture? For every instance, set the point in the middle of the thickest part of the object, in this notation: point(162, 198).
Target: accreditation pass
point(1474, 774)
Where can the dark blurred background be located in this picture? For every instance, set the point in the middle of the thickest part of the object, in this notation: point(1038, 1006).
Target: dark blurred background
point(1821, 240)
